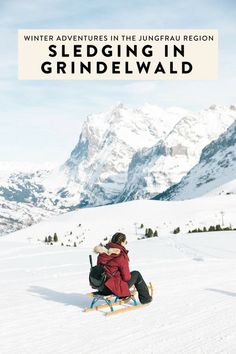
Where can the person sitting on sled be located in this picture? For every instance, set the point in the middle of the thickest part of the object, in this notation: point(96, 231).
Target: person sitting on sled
point(119, 278)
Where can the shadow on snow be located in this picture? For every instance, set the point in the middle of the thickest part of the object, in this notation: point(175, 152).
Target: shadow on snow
point(229, 293)
point(68, 299)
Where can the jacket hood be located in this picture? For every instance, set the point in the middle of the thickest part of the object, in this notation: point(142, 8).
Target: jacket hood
point(111, 250)
point(117, 245)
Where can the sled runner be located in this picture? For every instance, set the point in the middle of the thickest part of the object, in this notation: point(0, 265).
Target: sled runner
point(112, 301)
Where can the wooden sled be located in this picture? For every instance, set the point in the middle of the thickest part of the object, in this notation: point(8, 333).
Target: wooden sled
point(112, 301)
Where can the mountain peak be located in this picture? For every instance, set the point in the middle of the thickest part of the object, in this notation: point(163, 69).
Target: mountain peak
point(123, 154)
point(215, 173)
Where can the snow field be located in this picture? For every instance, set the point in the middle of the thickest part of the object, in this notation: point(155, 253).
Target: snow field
point(43, 295)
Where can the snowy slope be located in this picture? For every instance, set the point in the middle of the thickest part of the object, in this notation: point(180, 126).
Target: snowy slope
point(225, 188)
point(92, 225)
point(214, 174)
point(193, 312)
point(153, 170)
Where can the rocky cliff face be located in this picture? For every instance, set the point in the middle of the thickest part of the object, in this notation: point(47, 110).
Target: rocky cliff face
point(153, 170)
point(96, 171)
point(215, 173)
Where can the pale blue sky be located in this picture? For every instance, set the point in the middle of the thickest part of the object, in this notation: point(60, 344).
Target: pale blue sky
point(41, 120)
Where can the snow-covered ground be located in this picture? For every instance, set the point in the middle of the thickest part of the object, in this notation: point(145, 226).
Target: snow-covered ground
point(43, 287)
point(92, 225)
point(43, 295)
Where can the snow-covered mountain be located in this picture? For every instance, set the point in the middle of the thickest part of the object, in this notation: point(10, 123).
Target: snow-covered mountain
point(96, 171)
point(214, 174)
point(24, 200)
point(127, 154)
point(94, 174)
point(153, 170)
point(122, 154)
point(18, 215)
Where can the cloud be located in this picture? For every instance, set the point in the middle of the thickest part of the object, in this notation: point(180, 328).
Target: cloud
point(141, 87)
point(52, 112)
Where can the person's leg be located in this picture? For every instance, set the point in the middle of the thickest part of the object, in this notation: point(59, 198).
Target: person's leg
point(134, 277)
point(141, 286)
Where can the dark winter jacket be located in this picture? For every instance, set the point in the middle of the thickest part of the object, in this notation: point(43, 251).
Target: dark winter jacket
point(118, 273)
